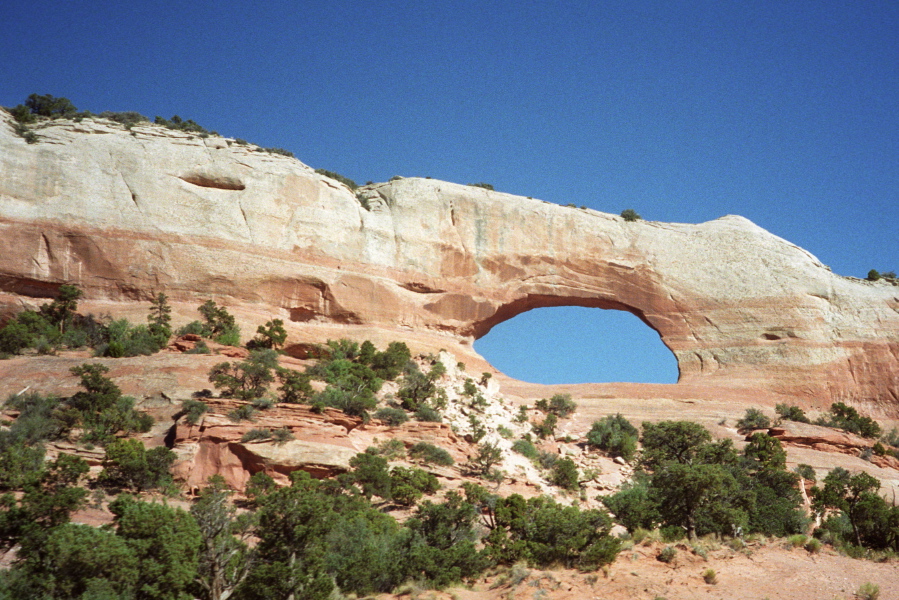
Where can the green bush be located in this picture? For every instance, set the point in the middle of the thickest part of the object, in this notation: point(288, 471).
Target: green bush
point(193, 411)
point(193, 328)
point(630, 215)
point(560, 405)
point(667, 554)
point(805, 471)
point(243, 413)
point(128, 464)
point(272, 335)
point(427, 414)
point(407, 486)
point(485, 186)
point(246, 380)
point(295, 386)
point(547, 428)
point(283, 435)
point(128, 118)
point(431, 454)
point(614, 434)
point(338, 177)
point(847, 418)
point(526, 448)
point(220, 324)
point(48, 106)
point(753, 419)
point(791, 413)
point(392, 416)
point(179, 124)
point(546, 534)
point(565, 474)
point(868, 591)
point(255, 435)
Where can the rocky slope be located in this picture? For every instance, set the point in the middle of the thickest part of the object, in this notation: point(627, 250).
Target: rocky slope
point(124, 214)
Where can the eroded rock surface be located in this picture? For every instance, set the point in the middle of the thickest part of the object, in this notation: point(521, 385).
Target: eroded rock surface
point(127, 214)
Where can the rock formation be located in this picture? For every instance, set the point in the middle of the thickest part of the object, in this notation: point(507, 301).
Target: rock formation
point(124, 214)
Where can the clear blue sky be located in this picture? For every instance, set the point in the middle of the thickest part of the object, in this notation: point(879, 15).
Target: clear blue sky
point(784, 112)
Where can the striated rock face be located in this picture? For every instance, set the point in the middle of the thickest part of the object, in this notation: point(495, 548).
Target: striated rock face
point(124, 215)
point(323, 443)
point(825, 439)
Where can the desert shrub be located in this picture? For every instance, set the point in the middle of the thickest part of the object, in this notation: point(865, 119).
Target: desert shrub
point(522, 415)
point(546, 460)
point(102, 409)
point(431, 454)
point(891, 438)
point(338, 177)
point(547, 428)
point(667, 554)
point(630, 215)
point(14, 337)
point(22, 114)
point(805, 471)
point(355, 403)
point(565, 474)
point(276, 150)
point(179, 124)
point(220, 324)
point(868, 591)
point(391, 449)
point(427, 414)
point(125, 339)
point(255, 435)
point(48, 106)
point(525, 447)
point(127, 118)
point(262, 403)
point(392, 416)
point(847, 418)
point(416, 388)
point(242, 413)
point(128, 464)
point(545, 534)
point(709, 576)
point(791, 413)
point(859, 516)
point(193, 328)
point(295, 387)
point(753, 419)
point(813, 546)
point(248, 379)
point(193, 411)
point(560, 405)
point(485, 186)
point(282, 435)
point(614, 434)
point(486, 458)
point(633, 505)
point(271, 336)
point(407, 486)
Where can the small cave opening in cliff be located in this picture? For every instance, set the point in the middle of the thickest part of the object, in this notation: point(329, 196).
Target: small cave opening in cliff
point(573, 344)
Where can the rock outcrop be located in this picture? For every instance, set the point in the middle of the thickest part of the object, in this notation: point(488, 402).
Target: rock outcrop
point(322, 444)
point(124, 214)
point(825, 439)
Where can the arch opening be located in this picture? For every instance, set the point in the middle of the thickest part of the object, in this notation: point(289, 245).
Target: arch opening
point(574, 344)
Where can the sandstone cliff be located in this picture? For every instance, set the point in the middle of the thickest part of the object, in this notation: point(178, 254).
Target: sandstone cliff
point(125, 214)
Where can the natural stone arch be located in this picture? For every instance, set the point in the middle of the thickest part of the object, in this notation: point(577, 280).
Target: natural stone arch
point(739, 307)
